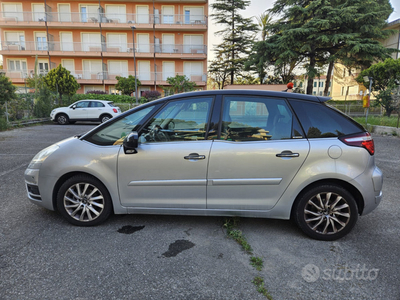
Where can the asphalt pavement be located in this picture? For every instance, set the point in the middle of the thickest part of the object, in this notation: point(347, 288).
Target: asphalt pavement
point(180, 257)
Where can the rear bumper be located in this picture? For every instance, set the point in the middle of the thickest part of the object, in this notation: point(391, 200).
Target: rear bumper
point(371, 189)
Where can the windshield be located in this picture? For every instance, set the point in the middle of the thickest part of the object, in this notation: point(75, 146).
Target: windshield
point(115, 133)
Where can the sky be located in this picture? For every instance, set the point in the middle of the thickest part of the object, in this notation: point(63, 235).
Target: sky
point(255, 9)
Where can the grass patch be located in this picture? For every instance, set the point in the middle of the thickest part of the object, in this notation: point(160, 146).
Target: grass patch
point(231, 225)
point(379, 121)
point(257, 262)
point(259, 283)
point(236, 234)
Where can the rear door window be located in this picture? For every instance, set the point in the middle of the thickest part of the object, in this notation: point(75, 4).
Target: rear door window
point(255, 119)
point(321, 121)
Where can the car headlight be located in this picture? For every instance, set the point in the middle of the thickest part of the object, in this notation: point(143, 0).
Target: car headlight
point(41, 157)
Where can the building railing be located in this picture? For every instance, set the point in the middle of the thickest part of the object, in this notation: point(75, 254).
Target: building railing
point(82, 75)
point(95, 18)
point(102, 47)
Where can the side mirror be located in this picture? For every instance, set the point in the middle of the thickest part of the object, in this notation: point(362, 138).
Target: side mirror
point(131, 142)
point(73, 106)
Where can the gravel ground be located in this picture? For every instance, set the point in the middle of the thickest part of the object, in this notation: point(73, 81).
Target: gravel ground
point(179, 257)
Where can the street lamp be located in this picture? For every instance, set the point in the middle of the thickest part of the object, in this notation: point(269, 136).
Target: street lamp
point(134, 62)
point(368, 79)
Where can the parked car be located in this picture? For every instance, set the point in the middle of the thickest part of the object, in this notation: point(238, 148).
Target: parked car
point(85, 110)
point(216, 153)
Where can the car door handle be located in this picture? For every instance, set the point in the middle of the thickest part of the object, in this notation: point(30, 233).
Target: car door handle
point(194, 156)
point(287, 153)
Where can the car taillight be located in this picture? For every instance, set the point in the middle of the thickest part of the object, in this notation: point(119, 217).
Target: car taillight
point(115, 110)
point(363, 140)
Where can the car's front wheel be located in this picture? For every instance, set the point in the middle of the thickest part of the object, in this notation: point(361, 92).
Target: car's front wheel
point(327, 212)
point(62, 119)
point(83, 200)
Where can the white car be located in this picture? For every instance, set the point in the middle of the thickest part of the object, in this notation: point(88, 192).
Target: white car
point(85, 110)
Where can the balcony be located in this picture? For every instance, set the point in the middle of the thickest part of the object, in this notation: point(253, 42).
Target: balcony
point(77, 19)
point(28, 18)
point(197, 22)
point(108, 50)
point(97, 77)
point(23, 48)
point(148, 78)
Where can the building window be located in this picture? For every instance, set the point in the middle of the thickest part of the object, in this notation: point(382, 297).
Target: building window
point(314, 93)
point(320, 93)
point(301, 84)
point(315, 84)
point(295, 84)
point(321, 84)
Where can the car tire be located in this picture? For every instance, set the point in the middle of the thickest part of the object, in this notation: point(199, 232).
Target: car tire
point(327, 212)
point(84, 201)
point(105, 118)
point(62, 119)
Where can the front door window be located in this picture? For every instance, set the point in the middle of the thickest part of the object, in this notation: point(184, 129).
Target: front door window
point(179, 121)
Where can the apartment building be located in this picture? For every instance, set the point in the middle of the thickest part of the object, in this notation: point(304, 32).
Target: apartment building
point(393, 41)
point(300, 82)
point(97, 40)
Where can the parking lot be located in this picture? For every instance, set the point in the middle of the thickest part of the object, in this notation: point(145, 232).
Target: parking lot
point(179, 257)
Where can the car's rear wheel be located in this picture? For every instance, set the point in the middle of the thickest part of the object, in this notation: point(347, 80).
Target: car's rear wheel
point(105, 118)
point(83, 200)
point(327, 212)
point(62, 119)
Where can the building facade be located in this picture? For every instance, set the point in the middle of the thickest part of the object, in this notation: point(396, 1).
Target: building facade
point(97, 41)
point(300, 83)
point(394, 40)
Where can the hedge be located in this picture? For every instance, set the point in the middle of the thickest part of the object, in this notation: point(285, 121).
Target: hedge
point(114, 98)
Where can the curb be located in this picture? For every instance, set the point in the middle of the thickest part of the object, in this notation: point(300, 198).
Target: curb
point(384, 130)
point(27, 122)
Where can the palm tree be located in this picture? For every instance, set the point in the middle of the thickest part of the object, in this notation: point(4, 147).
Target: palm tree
point(263, 21)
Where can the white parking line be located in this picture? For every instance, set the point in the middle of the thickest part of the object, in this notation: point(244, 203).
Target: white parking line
point(13, 169)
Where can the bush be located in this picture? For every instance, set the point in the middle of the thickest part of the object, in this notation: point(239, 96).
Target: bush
point(113, 98)
point(16, 109)
point(151, 95)
point(3, 123)
point(97, 92)
point(44, 103)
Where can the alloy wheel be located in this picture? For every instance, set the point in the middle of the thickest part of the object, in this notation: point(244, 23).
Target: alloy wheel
point(327, 213)
point(83, 202)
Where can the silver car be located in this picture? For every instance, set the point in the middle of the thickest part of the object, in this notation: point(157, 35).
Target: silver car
point(216, 153)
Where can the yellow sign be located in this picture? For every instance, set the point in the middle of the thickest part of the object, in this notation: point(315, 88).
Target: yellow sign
point(366, 101)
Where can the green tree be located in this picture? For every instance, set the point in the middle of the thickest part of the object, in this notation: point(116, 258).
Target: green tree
point(179, 84)
point(61, 81)
point(126, 84)
point(219, 70)
point(247, 79)
point(7, 89)
point(326, 31)
point(264, 20)
point(265, 55)
point(237, 35)
point(385, 83)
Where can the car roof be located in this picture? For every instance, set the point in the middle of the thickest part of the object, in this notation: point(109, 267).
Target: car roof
point(103, 101)
point(247, 93)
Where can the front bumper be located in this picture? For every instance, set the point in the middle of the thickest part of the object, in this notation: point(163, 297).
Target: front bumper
point(31, 183)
